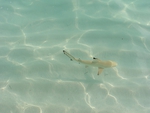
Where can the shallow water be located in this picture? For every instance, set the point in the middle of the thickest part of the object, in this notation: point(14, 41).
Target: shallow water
point(35, 75)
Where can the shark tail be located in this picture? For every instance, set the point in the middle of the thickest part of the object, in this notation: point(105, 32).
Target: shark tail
point(69, 55)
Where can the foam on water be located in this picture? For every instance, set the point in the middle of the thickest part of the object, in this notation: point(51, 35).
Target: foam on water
point(35, 75)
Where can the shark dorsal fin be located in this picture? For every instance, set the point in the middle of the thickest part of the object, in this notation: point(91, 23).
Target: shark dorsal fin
point(96, 59)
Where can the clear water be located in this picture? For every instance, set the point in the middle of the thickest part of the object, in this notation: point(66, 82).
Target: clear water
point(35, 75)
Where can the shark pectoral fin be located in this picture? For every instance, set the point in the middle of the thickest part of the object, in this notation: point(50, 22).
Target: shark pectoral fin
point(99, 71)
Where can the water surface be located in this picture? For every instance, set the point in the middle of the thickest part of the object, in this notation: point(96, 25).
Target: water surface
point(35, 75)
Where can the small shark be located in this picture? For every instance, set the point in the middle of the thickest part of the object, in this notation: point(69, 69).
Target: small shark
point(95, 63)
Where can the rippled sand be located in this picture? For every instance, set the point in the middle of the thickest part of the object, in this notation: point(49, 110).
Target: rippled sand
point(35, 75)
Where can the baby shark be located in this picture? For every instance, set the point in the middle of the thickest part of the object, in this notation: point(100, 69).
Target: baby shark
point(95, 62)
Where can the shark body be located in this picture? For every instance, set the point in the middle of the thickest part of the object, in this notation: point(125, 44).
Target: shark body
point(95, 63)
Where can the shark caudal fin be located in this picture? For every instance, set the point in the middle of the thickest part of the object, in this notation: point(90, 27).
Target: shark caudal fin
point(69, 55)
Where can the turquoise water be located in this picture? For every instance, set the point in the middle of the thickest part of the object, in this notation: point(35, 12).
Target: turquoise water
point(35, 75)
